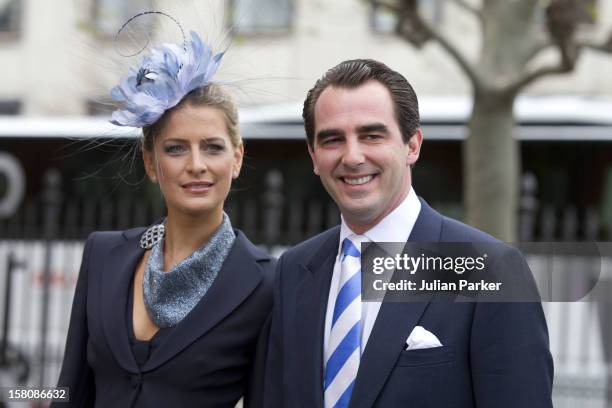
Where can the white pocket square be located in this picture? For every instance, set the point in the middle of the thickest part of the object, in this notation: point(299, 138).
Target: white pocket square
point(421, 339)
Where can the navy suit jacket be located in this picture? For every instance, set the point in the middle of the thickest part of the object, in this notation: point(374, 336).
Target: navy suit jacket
point(494, 355)
point(207, 360)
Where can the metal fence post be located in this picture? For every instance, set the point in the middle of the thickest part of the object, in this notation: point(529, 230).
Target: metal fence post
point(273, 204)
point(52, 199)
point(528, 207)
point(7, 311)
point(15, 359)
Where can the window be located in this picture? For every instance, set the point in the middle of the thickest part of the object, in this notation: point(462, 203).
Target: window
point(10, 107)
point(261, 16)
point(10, 15)
point(109, 15)
point(384, 21)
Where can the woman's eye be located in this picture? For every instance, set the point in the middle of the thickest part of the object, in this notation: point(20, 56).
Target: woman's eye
point(214, 147)
point(173, 149)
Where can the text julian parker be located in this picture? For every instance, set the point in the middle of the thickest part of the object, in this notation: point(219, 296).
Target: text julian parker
point(437, 286)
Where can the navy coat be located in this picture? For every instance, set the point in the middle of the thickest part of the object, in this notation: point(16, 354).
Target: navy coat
point(207, 360)
point(494, 355)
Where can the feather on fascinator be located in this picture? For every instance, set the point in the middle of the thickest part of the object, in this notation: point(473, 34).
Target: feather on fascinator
point(163, 78)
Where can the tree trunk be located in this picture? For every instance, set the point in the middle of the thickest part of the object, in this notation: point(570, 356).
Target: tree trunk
point(491, 166)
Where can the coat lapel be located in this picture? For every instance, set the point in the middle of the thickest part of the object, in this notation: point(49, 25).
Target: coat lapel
point(238, 277)
point(394, 323)
point(117, 275)
point(311, 306)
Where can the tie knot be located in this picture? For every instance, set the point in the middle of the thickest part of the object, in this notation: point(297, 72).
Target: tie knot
point(349, 249)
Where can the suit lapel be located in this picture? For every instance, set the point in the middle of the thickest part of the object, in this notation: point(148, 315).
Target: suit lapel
point(311, 307)
point(238, 277)
point(394, 323)
point(117, 275)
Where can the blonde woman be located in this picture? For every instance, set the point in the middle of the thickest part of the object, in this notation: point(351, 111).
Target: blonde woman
point(171, 315)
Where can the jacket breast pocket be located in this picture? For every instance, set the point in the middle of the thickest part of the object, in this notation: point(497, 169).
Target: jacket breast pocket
point(426, 357)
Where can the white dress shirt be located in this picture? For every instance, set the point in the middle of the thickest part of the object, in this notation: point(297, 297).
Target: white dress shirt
point(395, 227)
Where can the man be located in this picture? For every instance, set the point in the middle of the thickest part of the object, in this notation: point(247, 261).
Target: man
point(328, 348)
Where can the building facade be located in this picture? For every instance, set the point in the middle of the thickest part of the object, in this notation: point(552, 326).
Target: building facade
point(61, 58)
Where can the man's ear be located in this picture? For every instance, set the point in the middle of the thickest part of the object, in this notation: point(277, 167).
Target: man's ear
point(149, 163)
point(413, 147)
point(313, 157)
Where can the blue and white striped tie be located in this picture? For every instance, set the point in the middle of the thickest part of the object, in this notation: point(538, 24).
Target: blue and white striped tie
point(344, 338)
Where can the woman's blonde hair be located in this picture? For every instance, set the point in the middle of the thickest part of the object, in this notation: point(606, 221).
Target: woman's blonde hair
point(212, 95)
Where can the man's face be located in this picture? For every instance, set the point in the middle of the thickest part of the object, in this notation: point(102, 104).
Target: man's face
point(359, 153)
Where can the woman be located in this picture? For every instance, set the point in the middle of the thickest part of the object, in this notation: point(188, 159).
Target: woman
point(171, 315)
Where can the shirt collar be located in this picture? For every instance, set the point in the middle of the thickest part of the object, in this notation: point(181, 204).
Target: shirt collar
point(395, 227)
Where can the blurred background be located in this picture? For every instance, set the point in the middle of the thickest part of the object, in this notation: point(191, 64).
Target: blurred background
point(516, 106)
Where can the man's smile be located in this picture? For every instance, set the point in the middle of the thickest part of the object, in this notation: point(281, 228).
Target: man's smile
point(357, 181)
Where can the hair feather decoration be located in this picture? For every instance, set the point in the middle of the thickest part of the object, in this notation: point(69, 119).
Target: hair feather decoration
point(161, 81)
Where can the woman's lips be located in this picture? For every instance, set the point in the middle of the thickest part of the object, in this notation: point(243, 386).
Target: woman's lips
point(198, 187)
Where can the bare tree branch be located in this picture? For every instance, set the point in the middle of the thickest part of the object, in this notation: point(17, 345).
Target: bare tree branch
point(461, 59)
point(564, 66)
point(537, 47)
point(598, 47)
point(602, 47)
point(567, 64)
point(468, 7)
point(416, 19)
point(537, 74)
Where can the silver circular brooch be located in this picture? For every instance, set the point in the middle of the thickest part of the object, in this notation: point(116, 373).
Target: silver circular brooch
point(152, 236)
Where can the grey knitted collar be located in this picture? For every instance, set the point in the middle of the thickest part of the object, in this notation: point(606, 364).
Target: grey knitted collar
point(170, 296)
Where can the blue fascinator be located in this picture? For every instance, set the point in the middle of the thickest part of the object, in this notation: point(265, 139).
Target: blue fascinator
point(163, 78)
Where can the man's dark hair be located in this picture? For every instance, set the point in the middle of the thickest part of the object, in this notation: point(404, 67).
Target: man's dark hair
point(354, 73)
